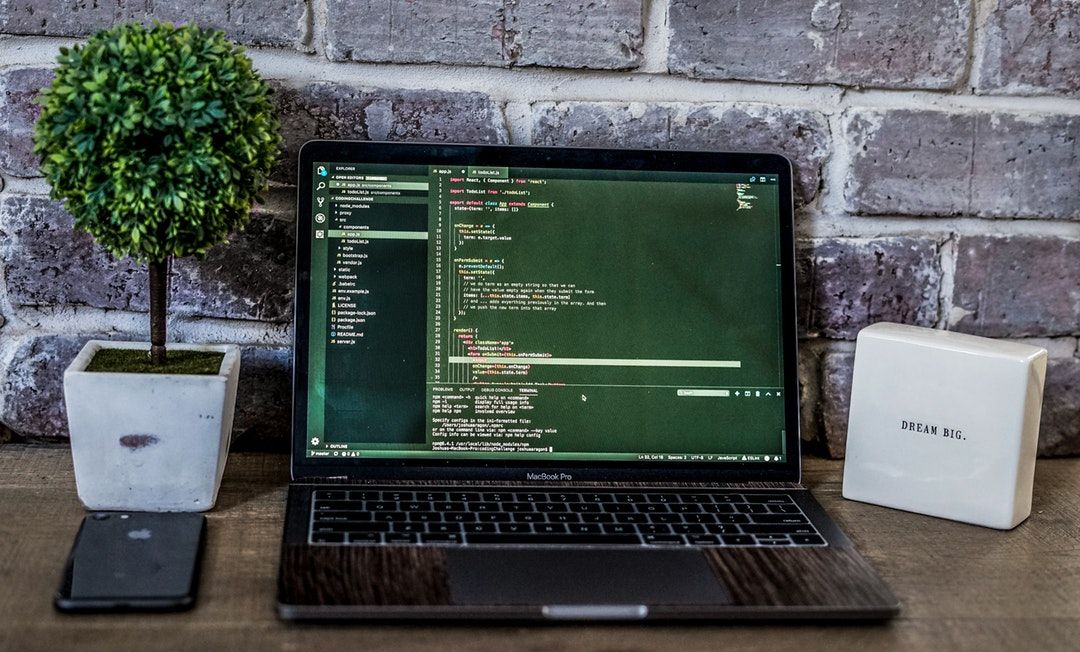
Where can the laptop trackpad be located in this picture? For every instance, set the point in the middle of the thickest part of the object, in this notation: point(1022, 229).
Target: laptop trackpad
point(582, 577)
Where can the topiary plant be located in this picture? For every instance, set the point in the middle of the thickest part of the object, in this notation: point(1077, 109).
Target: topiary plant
point(157, 140)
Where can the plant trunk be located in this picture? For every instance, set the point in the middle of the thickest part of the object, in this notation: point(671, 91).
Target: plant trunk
point(159, 299)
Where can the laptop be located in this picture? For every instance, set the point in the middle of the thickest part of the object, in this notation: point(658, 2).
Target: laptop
point(552, 384)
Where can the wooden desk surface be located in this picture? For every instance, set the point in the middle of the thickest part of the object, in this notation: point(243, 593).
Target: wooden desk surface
point(962, 587)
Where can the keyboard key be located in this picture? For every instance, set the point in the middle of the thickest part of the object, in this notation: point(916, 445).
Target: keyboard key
point(398, 496)
point(564, 498)
point(399, 537)
point(331, 494)
point(527, 517)
point(584, 528)
point(751, 508)
point(364, 537)
point(721, 528)
point(774, 542)
point(459, 517)
point(699, 518)
point(785, 509)
point(346, 505)
point(662, 539)
point(661, 498)
point(328, 537)
point(351, 527)
point(409, 527)
point(472, 528)
point(719, 508)
point(619, 528)
point(807, 540)
point(443, 528)
point(448, 506)
point(332, 517)
point(563, 517)
point(597, 518)
point(391, 517)
point(652, 508)
point(697, 498)
point(517, 507)
point(584, 507)
point(665, 518)
point(515, 528)
point(631, 518)
point(684, 528)
point(779, 529)
point(379, 506)
point(532, 498)
point(654, 528)
point(702, 540)
point(431, 496)
point(597, 498)
point(497, 497)
point(483, 507)
point(767, 498)
point(425, 517)
point(620, 508)
point(778, 518)
point(629, 498)
point(686, 508)
point(737, 540)
point(550, 528)
point(551, 507)
point(464, 497)
point(363, 495)
point(415, 506)
point(554, 539)
point(443, 538)
point(727, 498)
point(732, 518)
point(493, 517)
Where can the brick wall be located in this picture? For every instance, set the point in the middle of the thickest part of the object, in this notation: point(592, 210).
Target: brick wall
point(935, 144)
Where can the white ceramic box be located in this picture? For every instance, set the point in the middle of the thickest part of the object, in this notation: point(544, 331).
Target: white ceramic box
point(944, 424)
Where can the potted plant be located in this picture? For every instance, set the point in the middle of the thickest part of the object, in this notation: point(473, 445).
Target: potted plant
point(157, 139)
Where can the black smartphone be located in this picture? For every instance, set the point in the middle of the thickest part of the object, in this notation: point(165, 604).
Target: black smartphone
point(133, 561)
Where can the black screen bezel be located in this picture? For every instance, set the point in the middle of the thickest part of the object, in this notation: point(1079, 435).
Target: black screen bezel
point(304, 468)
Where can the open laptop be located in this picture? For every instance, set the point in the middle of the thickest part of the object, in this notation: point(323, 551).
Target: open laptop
point(543, 383)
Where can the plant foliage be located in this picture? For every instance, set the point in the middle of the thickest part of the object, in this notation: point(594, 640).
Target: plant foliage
point(157, 139)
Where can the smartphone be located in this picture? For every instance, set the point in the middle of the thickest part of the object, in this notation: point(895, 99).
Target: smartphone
point(133, 561)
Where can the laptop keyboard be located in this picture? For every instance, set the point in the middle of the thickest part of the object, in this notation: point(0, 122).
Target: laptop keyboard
point(510, 516)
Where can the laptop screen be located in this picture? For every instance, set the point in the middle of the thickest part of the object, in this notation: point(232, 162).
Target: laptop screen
point(544, 314)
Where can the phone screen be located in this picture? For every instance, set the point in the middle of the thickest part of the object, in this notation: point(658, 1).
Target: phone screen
point(133, 560)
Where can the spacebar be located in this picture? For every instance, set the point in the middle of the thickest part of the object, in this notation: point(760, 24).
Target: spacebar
point(554, 539)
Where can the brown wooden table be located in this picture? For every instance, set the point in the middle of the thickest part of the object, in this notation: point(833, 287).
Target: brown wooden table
point(962, 587)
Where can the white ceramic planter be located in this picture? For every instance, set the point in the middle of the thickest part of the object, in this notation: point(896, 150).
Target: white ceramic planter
point(150, 442)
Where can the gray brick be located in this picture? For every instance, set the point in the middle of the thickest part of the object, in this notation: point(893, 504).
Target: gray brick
point(836, 367)
point(18, 112)
point(845, 284)
point(913, 44)
point(270, 22)
point(46, 262)
point(32, 395)
point(915, 162)
point(334, 111)
point(1059, 432)
point(264, 396)
point(603, 34)
point(800, 134)
point(1017, 286)
point(1031, 48)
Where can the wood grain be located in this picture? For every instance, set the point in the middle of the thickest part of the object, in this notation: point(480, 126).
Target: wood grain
point(962, 587)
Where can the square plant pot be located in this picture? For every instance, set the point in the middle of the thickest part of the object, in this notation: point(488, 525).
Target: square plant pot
point(150, 442)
